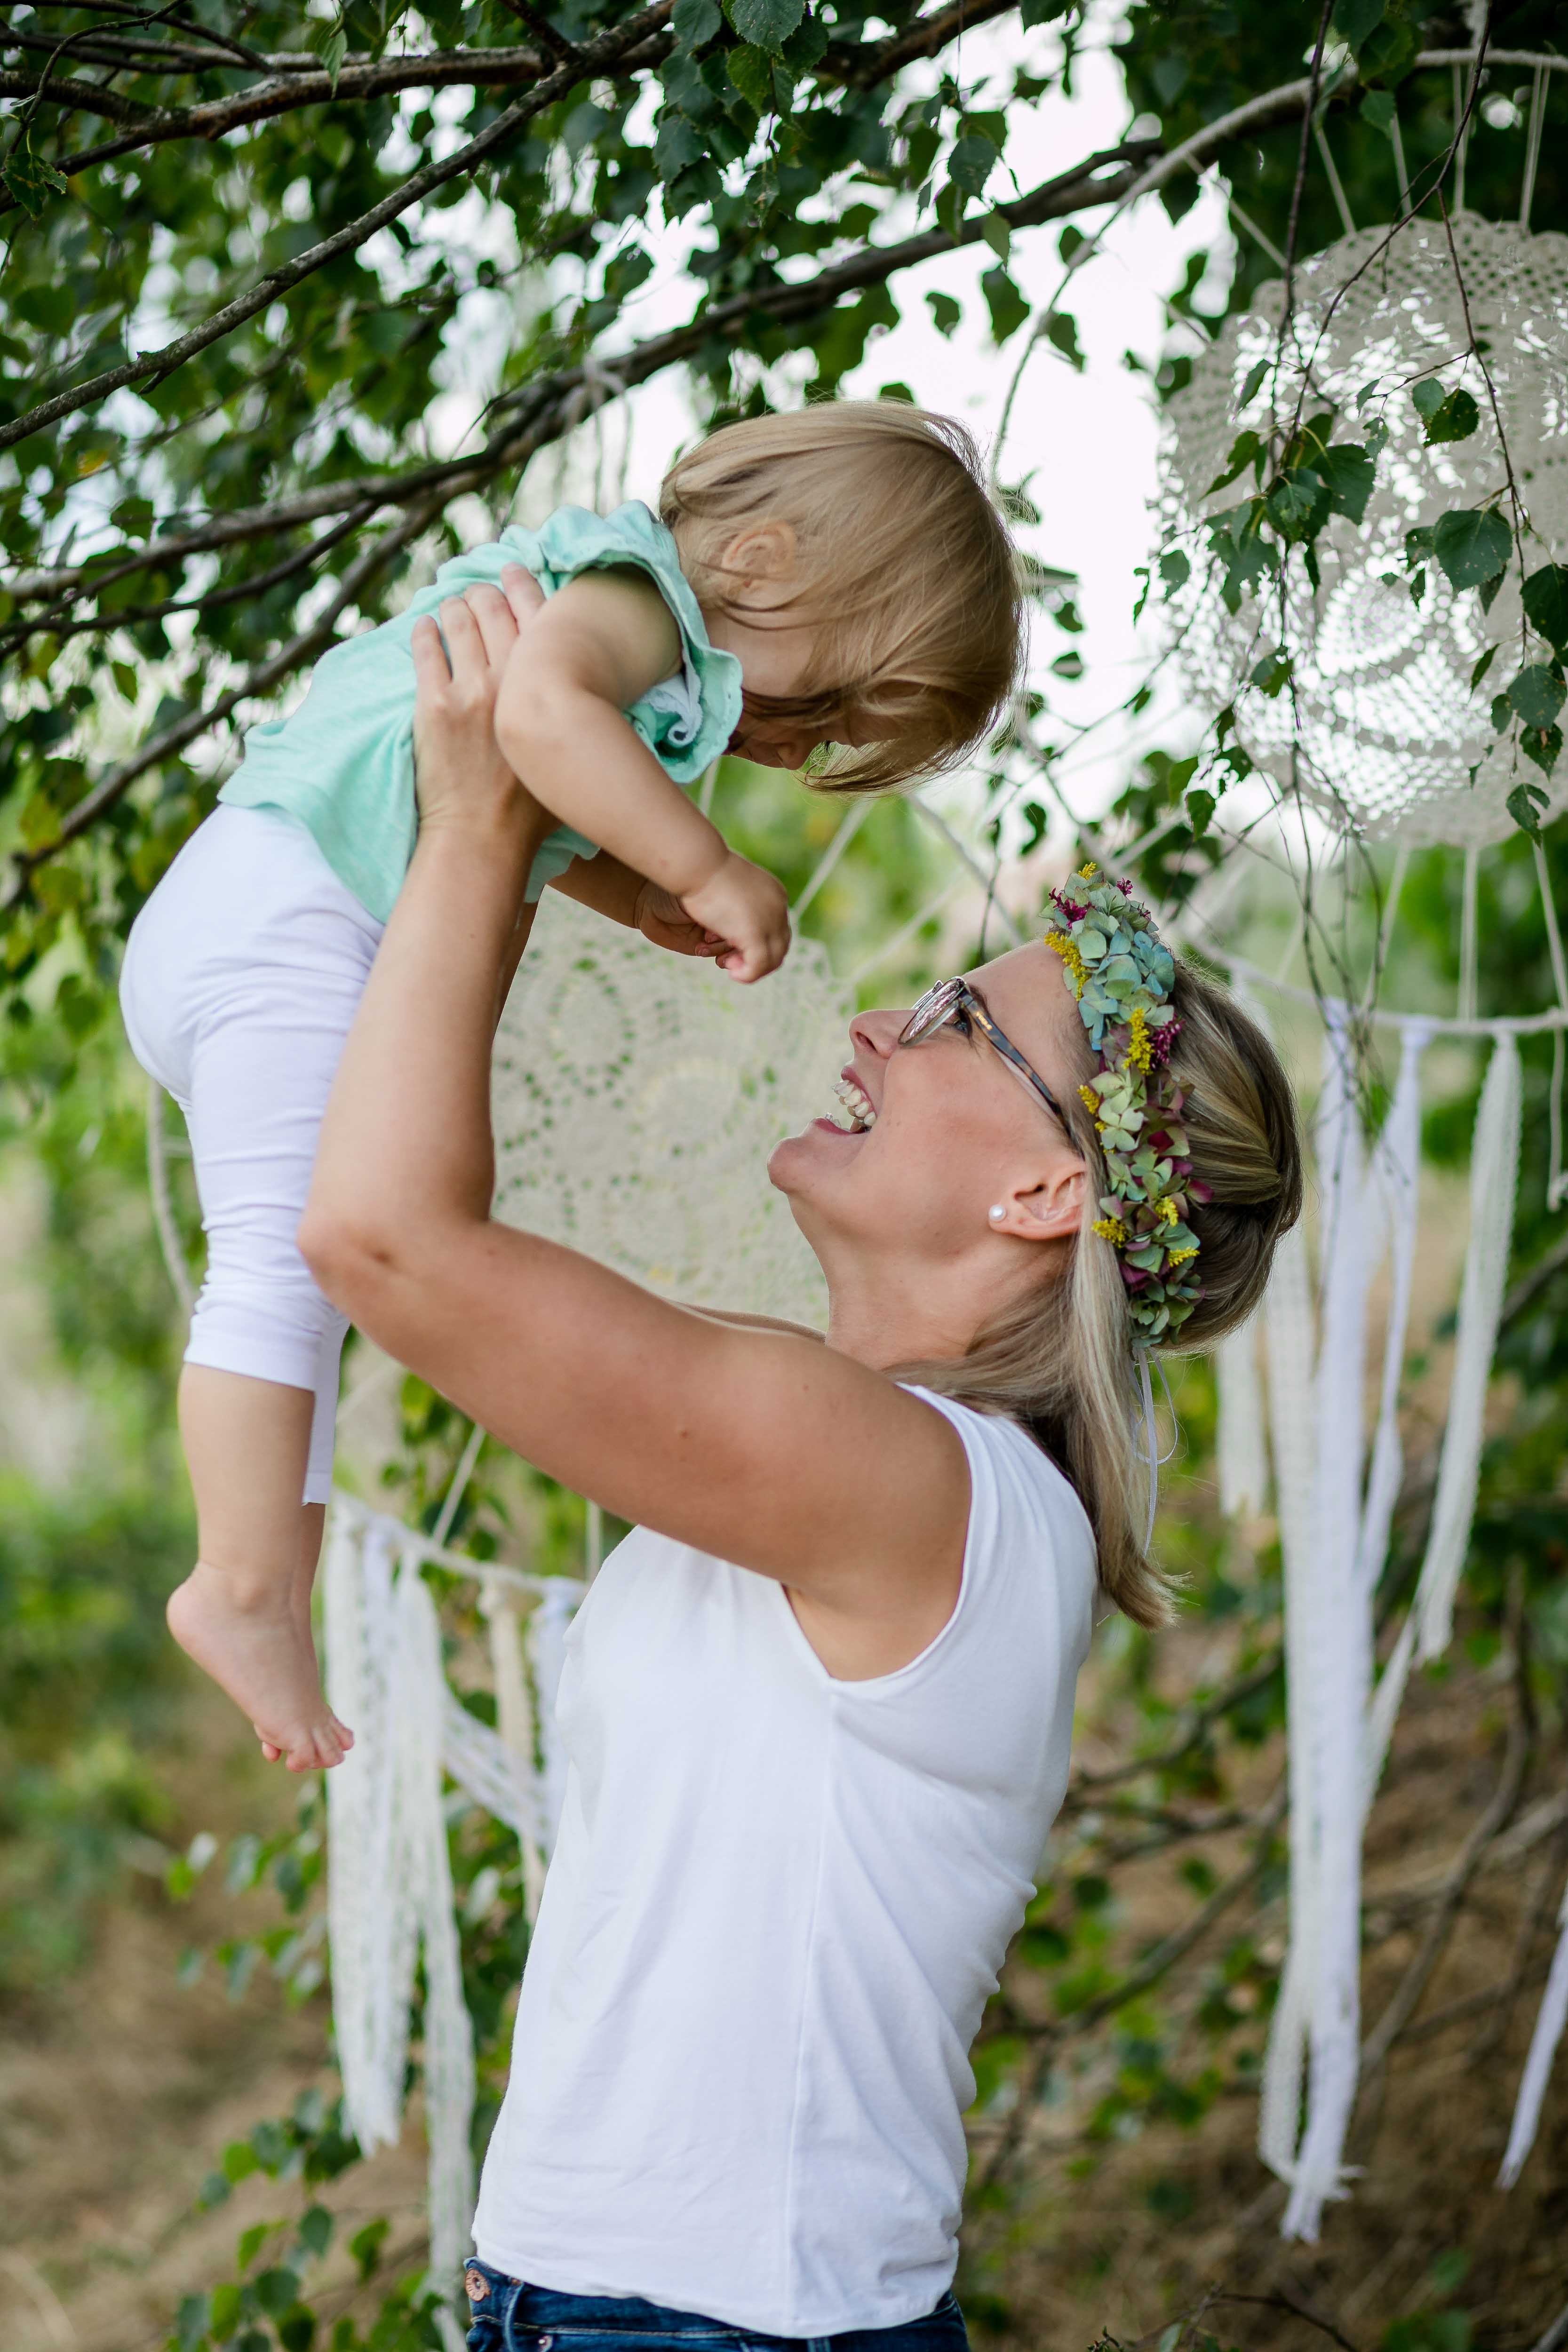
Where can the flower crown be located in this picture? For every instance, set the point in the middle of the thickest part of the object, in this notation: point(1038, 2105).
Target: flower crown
point(1123, 977)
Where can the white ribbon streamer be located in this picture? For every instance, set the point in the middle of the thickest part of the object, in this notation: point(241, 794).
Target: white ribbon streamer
point(1549, 2023)
point(390, 1884)
point(1494, 1177)
point(1328, 1709)
point(1240, 1456)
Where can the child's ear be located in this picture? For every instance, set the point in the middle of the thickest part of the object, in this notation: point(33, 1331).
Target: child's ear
point(763, 551)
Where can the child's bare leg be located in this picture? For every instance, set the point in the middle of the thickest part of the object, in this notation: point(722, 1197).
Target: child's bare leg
point(313, 1526)
point(238, 1612)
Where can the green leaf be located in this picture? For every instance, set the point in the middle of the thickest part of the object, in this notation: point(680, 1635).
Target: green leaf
point(998, 234)
point(972, 162)
point(1501, 713)
point(1355, 20)
point(1271, 674)
point(1522, 808)
point(1042, 12)
point(297, 2332)
point(1537, 695)
point(316, 2229)
point(276, 2291)
point(1007, 307)
point(334, 49)
point(1427, 397)
point(1350, 471)
point(678, 143)
point(31, 180)
point(238, 2160)
point(1546, 604)
point(365, 2245)
point(752, 71)
point(805, 49)
point(1175, 570)
point(1243, 450)
point(226, 2308)
point(768, 23)
point(251, 2242)
point(1541, 744)
point(1061, 333)
point(1472, 544)
point(1250, 382)
point(944, 312)
point(191, 2322)
point(1482, 667)
point(1454, 419)
point(695, 22)
point(1378, 109)
point(1200, 808)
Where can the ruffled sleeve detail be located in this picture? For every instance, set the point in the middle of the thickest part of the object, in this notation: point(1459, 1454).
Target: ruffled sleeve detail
point(686, 722)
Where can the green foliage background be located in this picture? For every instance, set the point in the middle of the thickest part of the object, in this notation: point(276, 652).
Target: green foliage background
point(180, 545)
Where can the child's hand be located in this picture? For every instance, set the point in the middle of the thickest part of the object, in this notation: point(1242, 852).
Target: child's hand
point(745, 908)
point(660, 917)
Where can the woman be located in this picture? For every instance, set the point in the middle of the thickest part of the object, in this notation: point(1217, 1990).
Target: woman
point(817, 1708)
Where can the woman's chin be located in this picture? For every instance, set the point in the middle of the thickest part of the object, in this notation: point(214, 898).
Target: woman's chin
point(819, 1148)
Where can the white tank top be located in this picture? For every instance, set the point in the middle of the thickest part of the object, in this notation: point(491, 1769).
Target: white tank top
point(777, 1907)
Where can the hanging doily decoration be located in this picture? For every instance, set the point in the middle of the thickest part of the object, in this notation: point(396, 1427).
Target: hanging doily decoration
point(636, 1096)
point(1380, 727)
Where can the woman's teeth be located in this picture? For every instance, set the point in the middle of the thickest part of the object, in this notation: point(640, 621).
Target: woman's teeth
point(855, 1111)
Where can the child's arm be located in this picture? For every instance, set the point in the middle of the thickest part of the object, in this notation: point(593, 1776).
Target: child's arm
point(613, 891)
point(596, 647)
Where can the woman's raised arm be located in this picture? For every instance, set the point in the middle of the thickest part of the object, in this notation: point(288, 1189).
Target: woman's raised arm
point(770, 1451)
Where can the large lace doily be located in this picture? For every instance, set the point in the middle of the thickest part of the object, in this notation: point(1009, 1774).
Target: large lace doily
point(636, 1096)
point(1388, 727)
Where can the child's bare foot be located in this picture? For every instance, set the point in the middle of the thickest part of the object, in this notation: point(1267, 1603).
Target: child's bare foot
point(251, 1645)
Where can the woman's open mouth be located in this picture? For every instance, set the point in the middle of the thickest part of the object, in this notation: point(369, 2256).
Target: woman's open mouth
point(855, 1113)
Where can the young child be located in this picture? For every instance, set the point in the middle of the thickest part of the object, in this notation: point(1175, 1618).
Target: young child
point(833, 578)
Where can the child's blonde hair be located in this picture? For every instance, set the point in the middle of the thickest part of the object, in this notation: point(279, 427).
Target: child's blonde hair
point(902, 561)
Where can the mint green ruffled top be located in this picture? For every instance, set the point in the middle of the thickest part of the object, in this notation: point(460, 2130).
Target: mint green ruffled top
point(342, 763)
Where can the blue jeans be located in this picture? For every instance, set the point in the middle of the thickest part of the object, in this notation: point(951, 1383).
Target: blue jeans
point(509, 2316)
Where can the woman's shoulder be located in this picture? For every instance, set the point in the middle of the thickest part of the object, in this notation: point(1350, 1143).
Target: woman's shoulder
point(1019, 1496)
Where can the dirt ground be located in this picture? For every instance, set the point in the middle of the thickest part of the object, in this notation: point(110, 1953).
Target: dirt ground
point(117, 2094)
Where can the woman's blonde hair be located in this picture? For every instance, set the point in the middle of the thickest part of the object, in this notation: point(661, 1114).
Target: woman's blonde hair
point(1060, 1359)
point(903, 566)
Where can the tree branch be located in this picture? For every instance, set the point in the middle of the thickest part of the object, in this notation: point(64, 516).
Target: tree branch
point(1068, 192)
point(300, 80)
point(349, 239)
point(259, 680)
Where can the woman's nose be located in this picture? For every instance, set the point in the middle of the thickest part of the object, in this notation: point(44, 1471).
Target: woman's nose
point(878, 1032)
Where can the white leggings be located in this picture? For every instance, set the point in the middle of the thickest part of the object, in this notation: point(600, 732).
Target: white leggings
point(241, 978)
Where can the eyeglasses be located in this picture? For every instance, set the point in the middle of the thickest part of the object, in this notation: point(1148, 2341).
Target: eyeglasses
point(953, 1003)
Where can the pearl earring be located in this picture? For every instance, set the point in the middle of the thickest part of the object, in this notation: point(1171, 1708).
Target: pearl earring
point(996, 1212)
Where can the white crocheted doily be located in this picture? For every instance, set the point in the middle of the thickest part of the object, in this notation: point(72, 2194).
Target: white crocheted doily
point(1388, 728)
point(636, 1096)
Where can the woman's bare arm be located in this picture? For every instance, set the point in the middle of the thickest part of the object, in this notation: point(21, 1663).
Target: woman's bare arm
point(764, 1448)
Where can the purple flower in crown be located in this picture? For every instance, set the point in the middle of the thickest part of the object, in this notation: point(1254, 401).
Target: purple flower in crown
point(1160, 1041)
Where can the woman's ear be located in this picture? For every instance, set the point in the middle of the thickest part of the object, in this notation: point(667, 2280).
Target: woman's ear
point(1050, 1210)
point(762, 551)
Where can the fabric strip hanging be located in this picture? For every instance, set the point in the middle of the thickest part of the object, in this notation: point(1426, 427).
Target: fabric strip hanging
point(1494, 1178)
point(1241, 1458)
point(1549, 2023)
point(1333, 1653)
point(389, 1883)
